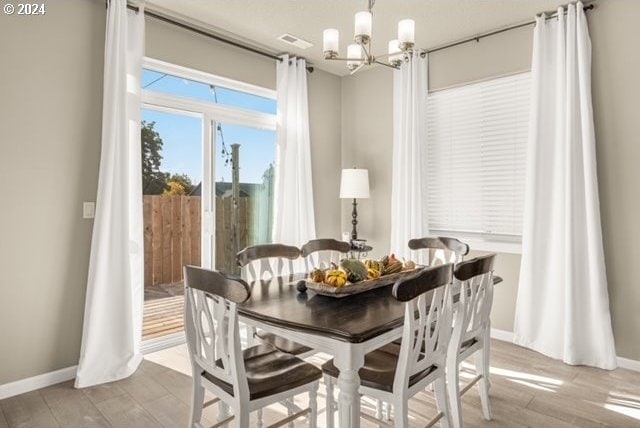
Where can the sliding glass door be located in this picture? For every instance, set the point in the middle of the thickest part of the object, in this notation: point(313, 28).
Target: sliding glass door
point(209, 149)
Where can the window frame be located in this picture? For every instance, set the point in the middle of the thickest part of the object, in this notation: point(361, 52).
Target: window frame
point(511, 244)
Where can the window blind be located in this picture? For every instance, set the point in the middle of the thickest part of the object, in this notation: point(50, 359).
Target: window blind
point(475, 157)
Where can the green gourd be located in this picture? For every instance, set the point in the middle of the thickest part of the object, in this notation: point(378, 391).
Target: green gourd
point(355, 269)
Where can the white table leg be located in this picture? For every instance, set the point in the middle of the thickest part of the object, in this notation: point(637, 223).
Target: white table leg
point(349, 362)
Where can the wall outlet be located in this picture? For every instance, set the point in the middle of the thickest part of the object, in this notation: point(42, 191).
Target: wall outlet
point(88, 209)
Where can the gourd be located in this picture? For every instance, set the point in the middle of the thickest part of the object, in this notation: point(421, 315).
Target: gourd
point(317, 275)
point(393, 267)
point(374, 264)
point(335, 278)
point(409, 264)
point(373, 273)
point(355, 269)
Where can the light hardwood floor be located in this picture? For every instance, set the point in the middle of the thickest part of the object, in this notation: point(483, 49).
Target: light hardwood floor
point(528, 390)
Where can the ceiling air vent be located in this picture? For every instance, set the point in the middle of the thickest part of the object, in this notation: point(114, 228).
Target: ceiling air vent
point(295, 41)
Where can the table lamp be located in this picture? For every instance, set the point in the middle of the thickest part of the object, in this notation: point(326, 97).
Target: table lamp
point(354, 184)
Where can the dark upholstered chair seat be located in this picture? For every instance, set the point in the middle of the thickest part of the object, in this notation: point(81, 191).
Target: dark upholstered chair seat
point(379, 369)
point(270, 371)
point(282, 344)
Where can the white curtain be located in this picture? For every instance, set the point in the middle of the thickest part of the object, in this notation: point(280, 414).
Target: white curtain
point(294, 220)
point(113, 309)
point(563, 305)
point(408, 185)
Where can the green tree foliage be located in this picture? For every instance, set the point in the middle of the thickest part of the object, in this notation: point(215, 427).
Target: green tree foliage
point(154, 181)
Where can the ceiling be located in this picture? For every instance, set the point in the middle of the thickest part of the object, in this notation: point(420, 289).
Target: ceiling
point(260, 22)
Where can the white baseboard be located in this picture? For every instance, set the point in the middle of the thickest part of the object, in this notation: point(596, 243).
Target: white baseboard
point(505, 336)
point(624, 363)
point(629, 364)
point(163, 342)
point(36, 382)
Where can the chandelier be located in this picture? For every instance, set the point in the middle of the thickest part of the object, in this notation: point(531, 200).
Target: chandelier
point(360, 53)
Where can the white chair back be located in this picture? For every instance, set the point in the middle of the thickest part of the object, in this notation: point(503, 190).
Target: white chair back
point(474, 280)
point(211, 324)
point(320, 253)
point(267, 261)
point(425, 338)
point(440, 250)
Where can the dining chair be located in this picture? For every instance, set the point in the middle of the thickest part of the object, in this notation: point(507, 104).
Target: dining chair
point(396, 372)
point(471, 332)
point(243, 380)
point(440, 249)
point(320, 253)
point(270, 260)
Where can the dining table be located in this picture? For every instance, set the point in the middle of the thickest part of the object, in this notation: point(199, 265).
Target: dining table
point(346, 328)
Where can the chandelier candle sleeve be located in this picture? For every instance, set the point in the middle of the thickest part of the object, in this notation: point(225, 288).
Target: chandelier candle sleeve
point(354, 53)
point(331, 41)
point(363, 26)
point(406, 33)
point(395, 53)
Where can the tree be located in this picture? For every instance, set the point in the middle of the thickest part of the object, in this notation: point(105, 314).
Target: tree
point(184, 180)
point(154, 181)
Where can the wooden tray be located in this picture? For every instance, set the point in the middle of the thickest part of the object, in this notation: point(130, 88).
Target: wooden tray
point(358, 287)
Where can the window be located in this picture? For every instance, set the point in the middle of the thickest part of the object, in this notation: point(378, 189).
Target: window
point(477, 136)
point(214, 93)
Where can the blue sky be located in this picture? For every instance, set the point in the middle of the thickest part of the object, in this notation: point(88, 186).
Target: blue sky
point(182, 135)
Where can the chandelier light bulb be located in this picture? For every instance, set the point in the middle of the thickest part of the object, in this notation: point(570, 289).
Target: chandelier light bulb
point(395, 53)
point(362, 27)
point(330, 42)
point(354, 54)
point(406, 33)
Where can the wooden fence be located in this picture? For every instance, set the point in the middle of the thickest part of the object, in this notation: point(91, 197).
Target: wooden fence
point(172, 235)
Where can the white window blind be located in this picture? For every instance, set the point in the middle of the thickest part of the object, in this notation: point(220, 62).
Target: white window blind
point(476, 146)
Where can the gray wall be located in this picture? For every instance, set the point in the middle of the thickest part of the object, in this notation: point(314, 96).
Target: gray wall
point(367, 142)
point(50, 117)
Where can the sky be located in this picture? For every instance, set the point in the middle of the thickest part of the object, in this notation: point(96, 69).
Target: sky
point(182, 134)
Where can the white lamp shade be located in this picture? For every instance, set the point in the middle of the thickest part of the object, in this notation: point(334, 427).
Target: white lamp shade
point(406, 31)
point(354, 184)
point(395, 53)
point(354, 53)
point(363, 24)
point(330, 40)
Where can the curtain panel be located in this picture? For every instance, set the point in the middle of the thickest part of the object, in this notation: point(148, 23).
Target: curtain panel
point(562, 307)
point(408, 182)
point(114, 301)
point(294, 218)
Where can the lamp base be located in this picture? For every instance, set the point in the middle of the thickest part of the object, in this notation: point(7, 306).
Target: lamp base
point(354, 221)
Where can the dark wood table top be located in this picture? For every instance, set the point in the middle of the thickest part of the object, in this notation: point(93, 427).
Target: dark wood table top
point(355, 319)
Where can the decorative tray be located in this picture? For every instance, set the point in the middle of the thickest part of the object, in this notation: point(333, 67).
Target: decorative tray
point(358, 287)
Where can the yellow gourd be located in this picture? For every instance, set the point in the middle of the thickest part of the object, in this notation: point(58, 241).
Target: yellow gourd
point(335, 278)
point(373, 273)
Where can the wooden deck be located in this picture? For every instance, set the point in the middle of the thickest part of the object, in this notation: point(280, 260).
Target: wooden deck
point(163, 312)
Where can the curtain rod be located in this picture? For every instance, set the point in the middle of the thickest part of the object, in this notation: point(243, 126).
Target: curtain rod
point(477, 38)
point(210, 35)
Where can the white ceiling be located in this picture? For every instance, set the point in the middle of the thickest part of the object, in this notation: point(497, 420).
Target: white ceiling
point(260, 22)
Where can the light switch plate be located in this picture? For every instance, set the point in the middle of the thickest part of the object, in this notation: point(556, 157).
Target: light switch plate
point(88, 209)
